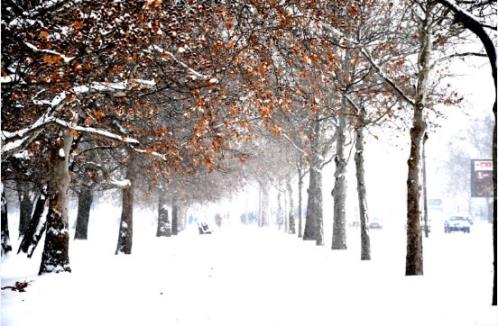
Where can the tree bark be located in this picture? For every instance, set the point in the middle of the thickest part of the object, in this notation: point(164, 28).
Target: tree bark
point(174, 215)
point(493, 300)
point(55, 256)
point(37, 236)
point(260, 204)
point(286, 216)
point(85, 199)
point(313, 229)
point(300, 205)
point(265, 205)
point(6, 247)
point(280, 213)
point(426, 210)
point(25, 207)
point(340, 186)
point(361, 189)
point(125, 236)
point(163, 224)
point(36, 226)
point(414, 250)
point(292, 222)
point(182, 217)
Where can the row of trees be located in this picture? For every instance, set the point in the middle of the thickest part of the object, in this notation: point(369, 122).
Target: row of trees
point(164, 96)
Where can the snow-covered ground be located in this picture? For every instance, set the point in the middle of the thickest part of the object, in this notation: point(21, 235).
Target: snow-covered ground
point(242, 275)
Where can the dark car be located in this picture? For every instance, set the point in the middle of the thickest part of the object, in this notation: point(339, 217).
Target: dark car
point(457, 223)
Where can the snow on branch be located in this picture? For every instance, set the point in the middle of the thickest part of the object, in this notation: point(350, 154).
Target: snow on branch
point(14, 142)
point(351, 102)
point(384, 77)
point(30, 16)
point(121, 184)
point(298, 148)
point(184, 65)
point(35, 49)
point(114, 87)
point(152, 153)
point(22, 133)
point(10, 79)
point(18, 145)
point(95, 131)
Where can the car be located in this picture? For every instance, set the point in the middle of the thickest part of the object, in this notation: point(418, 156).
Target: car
point(375, 225)
point(457, 223)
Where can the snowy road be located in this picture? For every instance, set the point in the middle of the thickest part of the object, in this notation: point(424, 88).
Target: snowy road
point(246, 276)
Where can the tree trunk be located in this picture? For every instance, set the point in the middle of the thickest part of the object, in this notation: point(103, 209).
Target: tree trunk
point(174, 214)
point(361, 189)
point(280, 213)
point(292, 222)
point(286, 216)
point(182, 217)
point(313, 229)
point(300, 206)
point(85, 199)
point(55, 256)
point(125, 236)
point(426, 210)
point(493, 301)
point(37, 235)
point(36, 226)
point(414, 250)
point(6, 247)
point(25, 207)
point(265, 205)
point(260, 205)
point(340, 186)
point(163, 224)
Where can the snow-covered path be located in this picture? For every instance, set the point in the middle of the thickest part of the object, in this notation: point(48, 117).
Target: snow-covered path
point(248, 276)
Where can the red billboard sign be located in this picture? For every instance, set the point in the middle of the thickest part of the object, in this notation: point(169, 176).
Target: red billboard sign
point(481, 178)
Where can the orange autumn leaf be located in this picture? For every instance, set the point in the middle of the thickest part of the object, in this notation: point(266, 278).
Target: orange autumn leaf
point(216, 145)
point(52, 59)
point(99, 115)
point(229, 23)
point(88, 121)
point(77, 25)
point(44, 35)
point(74, 133)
